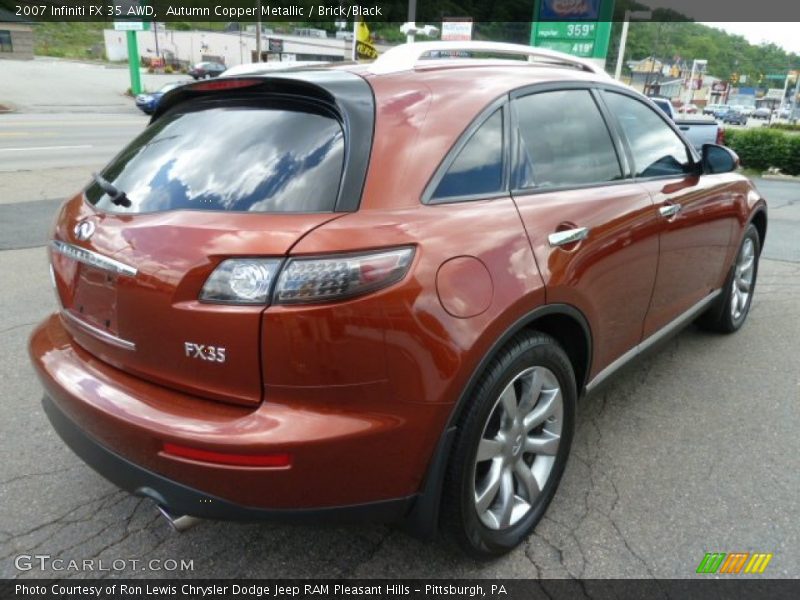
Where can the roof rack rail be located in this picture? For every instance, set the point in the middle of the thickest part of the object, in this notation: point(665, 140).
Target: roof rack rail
point(406, 56)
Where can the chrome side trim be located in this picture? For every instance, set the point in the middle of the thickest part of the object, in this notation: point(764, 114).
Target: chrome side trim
point(570, 236)
point(97, 332)
point(656, 337)
point(91, 258)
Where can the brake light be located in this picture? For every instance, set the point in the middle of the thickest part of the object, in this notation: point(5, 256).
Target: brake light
point(720, 136)
point(304, 280)
point(321, 279)
point(224, 84)
point(223, 458)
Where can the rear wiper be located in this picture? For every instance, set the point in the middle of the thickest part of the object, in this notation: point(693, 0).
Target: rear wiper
point(117, 196)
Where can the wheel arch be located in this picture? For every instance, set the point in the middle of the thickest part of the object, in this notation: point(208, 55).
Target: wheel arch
point(570, 328)
point(759, 220)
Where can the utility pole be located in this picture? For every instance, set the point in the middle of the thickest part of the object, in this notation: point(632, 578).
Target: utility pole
point(258, 31)
point(155, 35)
point(412, 18)
point(639, 14)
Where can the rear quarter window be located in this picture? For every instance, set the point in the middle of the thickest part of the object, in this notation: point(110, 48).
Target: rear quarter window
point(266, 158)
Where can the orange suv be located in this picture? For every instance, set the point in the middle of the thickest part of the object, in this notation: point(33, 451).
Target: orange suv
point(378, 291)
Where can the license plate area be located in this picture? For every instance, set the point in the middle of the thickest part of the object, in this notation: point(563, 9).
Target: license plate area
point(95, 298)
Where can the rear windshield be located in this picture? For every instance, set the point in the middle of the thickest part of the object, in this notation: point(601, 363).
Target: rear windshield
point(264, 159)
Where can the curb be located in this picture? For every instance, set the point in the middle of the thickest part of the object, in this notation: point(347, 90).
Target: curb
point(788, 178)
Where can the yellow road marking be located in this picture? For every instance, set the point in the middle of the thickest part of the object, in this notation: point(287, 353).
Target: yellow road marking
point(26, 133)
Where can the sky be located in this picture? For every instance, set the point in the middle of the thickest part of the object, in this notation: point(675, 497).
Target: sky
point(786, 35)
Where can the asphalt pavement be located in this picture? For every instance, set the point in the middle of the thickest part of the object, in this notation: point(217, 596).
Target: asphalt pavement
point(692, 449)
point(44, 141)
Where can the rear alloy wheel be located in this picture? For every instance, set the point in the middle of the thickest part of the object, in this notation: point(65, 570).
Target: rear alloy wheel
point(511, 447)
point(518, 448)
point(730, 311)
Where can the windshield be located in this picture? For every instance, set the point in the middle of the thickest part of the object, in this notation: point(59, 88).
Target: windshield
point(230, 158)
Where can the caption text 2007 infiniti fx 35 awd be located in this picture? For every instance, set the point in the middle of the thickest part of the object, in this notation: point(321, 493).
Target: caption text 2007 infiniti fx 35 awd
point(377, 291)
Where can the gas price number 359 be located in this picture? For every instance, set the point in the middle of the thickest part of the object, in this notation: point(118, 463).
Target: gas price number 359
point(580, 30)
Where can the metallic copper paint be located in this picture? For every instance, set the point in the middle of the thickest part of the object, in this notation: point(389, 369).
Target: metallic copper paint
point(359, 391)
point(464, 286)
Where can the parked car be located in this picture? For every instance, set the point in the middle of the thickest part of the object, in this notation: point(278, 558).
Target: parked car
point(206, 70)
point(148, 103)
point(698, 131)
point(721, 110)
point(762, 113)
point(734, 117)
point(321, 295)
point(689, 109)
point(783, 112)
point(710, 109)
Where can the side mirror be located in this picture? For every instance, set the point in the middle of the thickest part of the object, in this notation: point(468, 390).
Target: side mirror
point(719, 159)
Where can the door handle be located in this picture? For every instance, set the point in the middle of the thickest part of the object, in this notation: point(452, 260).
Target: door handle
point(669, 210)
point(570, 236)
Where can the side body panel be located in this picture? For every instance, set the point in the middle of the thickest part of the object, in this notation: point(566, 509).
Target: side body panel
point(695, 243)
point(608, 276)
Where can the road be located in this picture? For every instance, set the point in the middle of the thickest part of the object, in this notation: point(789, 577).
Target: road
point(39, 142)
point(690, 450)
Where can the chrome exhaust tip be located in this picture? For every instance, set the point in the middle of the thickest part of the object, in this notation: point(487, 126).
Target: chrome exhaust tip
point(179, 523)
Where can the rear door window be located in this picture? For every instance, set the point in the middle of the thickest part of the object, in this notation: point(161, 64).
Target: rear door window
point(266, 158)
point(565, 141)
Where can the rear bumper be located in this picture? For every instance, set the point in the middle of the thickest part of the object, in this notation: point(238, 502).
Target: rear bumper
point(181, 499)
point(354, 454)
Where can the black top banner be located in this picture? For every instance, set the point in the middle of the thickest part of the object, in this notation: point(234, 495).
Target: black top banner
point(393, 10)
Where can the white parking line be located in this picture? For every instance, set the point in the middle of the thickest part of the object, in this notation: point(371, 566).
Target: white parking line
point(46, 148)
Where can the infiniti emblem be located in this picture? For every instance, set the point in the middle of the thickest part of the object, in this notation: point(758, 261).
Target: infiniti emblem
point(84, 230)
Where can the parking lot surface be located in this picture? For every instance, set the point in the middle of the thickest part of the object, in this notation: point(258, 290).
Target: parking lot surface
point(692, 449)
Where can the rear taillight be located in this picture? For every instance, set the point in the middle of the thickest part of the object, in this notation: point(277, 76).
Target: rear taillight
point(305, 280)
point(332, 278)
point(241, 281)
point(720, 136)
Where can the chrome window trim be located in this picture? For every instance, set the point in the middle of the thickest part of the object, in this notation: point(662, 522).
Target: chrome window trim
point(97, 332)
point(93, 259)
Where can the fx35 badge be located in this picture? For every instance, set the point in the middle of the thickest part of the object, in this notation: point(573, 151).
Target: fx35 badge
point(204, 352)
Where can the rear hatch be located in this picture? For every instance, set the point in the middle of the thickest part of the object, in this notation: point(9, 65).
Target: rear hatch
point(220, 173)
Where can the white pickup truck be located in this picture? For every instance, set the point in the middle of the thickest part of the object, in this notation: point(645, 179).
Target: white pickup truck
point(698, 130)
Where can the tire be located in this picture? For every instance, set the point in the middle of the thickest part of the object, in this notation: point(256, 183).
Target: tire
point(478, 489)
point(724, 316)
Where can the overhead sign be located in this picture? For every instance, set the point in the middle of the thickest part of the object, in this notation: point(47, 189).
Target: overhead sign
point(131, 26)
point(562, 10)
point(457, 31)
point(578, 27)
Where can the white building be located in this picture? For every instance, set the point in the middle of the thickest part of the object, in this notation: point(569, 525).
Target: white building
point(232, 48)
